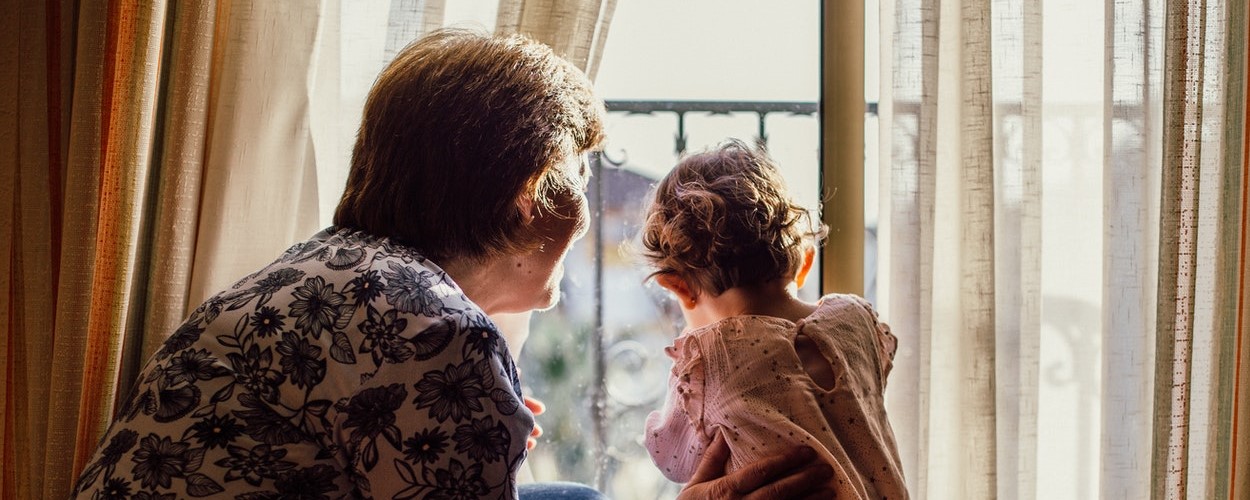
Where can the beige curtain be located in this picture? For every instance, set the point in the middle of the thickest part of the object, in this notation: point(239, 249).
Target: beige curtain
point(260, 168)
point(1062, 218)
point(575, 29)
point(1059, 240)
point(126, 129)
point(80, 109)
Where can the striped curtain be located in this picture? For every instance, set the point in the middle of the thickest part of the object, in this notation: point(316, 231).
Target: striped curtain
point(1064, 245)
point(145, 147)
point(79, 107)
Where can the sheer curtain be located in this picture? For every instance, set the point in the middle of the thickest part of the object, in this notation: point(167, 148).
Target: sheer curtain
point(1062, 245)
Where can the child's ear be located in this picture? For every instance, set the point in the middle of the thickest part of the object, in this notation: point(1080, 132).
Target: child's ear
point(674, 283)
point(809, 256)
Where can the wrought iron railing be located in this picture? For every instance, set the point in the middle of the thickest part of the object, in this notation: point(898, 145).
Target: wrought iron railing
point(680, 108)
point(601, 347)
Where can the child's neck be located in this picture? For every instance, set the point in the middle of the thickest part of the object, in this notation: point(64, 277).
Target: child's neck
point(776, 299)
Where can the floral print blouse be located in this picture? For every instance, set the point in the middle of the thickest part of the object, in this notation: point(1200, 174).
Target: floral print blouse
point(350, 367)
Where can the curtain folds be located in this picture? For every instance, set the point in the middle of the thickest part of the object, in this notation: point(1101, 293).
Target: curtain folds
point(1064, 246)
point(1131, 170)
point(176, 205)
point(575, 29)
point(259, 168)
point(1239, 79)
point(105, 118)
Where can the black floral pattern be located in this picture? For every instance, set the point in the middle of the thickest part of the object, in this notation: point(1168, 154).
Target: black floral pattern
point(277, 280)
point(411, 290)
point(266, 425)
point(159, 460)
point(267, 321)
point(426, 446)
point(216, 432)
point(144, 495)
point(316, 306)
point(118, 445)
point(458, 482)
point(372, 413)
point(255, 464)
point(173, 401)
point(365, 288)
point(453, 393)
point(253, 369)
point(309, 483)
point(485, 341)
point(193, 364)
point(482, 439)
point(182, 338)
point(381, 337)
point(259, 393)
point(301, 360)
point(115, 488)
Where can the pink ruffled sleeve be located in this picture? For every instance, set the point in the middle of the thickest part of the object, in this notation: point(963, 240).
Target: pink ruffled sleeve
point(676, 436)
point(887, 343)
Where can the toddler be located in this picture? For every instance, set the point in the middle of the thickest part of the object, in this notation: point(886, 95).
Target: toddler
point(756, 364)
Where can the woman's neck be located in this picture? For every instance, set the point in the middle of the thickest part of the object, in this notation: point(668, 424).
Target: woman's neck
point(477, 279)
point(776, 299)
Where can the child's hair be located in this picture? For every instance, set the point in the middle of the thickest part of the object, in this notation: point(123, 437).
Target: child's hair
point(722, 218)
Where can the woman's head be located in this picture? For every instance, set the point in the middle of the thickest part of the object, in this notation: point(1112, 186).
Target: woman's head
point(459, 134)
point(722, 218)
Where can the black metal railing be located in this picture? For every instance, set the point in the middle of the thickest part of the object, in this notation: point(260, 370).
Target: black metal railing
point(599, 347)
point(680, 108)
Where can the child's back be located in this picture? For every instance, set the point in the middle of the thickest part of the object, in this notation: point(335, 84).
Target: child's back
point(744, 376)
point(758, 365)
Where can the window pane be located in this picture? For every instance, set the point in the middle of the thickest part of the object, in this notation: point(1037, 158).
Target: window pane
point(658, 52)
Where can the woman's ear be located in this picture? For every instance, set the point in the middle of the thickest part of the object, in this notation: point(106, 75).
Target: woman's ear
point(526, 207)
point(674, 283)
point(809, 256)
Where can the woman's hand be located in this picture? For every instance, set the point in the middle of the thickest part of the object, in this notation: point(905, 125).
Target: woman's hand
point(797, 473)
point(537, 408)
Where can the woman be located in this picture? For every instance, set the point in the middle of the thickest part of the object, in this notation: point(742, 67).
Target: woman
point(362, 362)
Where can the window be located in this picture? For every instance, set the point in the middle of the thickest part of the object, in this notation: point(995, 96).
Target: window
point(674, 74)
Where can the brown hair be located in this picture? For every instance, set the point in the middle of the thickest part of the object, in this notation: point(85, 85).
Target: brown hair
point(722, 219)
point(455, 130)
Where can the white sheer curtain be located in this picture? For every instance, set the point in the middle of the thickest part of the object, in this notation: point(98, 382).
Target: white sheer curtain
point(1057, 236)
point(259, 184)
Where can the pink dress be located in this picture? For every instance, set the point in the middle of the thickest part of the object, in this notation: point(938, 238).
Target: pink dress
point(742, 377)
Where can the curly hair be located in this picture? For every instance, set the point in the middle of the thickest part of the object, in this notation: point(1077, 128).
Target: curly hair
point(455, 130)
point(722, 218)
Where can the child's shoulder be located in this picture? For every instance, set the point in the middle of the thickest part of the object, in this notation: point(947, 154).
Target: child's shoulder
point(842, 303)
point(743, 325)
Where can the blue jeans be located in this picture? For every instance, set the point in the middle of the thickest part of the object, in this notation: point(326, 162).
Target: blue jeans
point(558, 491)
